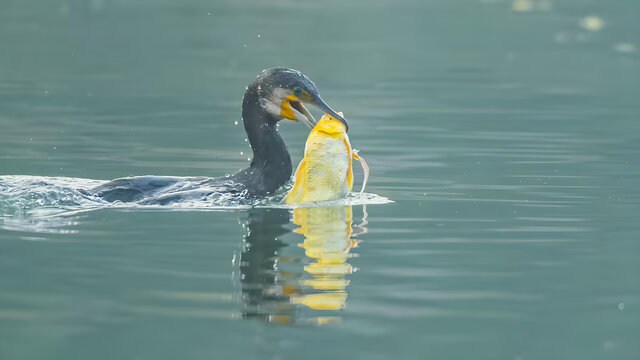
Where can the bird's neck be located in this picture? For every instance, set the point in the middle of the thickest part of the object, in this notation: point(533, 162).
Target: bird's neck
point(271, 162)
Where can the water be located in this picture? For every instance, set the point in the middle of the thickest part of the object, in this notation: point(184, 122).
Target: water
point(505, 132)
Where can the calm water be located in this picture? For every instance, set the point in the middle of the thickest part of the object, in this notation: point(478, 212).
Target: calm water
point(505, 132)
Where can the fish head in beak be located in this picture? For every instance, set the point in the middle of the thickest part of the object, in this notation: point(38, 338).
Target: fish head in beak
point(292, 107)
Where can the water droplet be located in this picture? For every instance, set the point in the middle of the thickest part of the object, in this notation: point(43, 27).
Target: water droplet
point(592, 23)
point(235, 122)
point(259, 36)
point(545, 5)
point(246, 140)
point(625, 48)
point(54, 148)
point(244, 45)
point(561, 37)
point(248, 159)
point(582, 38)
point(241, 152)
point(621, 306)
point(522, 5)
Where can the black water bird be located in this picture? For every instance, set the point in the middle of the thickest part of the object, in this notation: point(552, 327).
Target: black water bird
point(276, 94)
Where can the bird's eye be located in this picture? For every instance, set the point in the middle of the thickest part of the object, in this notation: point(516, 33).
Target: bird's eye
point(297, 91)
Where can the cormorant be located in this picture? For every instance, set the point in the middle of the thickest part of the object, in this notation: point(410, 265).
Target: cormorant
point(276, 94)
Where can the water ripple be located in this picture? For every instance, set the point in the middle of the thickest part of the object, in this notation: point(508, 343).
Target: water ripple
point(52, 204)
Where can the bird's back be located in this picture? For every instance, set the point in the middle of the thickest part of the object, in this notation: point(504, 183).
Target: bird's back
point(162, 190)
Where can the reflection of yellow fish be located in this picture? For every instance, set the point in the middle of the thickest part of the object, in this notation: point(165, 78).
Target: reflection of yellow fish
point(281, 285)
point(325, 172)
point(327, 242)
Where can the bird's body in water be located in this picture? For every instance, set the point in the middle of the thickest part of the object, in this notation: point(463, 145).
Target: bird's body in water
point(276, 94)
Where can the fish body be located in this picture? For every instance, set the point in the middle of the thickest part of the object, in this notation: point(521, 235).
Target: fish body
point(326, 172)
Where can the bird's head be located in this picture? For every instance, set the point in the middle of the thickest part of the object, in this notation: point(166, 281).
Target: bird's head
point(284, 92)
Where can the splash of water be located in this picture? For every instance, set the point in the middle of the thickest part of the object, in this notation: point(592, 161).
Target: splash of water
point(49, 204)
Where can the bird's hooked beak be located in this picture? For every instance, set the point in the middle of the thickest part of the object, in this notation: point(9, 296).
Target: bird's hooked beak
point(293, 104)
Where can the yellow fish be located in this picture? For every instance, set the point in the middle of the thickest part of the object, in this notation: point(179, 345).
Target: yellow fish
point(326, 173)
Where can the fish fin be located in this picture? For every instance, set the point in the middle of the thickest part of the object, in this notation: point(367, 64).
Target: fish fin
point(365, 168)
point(296, 194)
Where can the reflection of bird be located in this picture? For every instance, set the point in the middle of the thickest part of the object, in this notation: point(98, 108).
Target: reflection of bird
point(276, 94)
point(262, 296)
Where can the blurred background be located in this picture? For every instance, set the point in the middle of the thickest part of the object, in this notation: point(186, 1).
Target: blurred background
point(506, 132)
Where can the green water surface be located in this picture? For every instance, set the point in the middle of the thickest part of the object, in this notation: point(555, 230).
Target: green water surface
point(506, 133)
